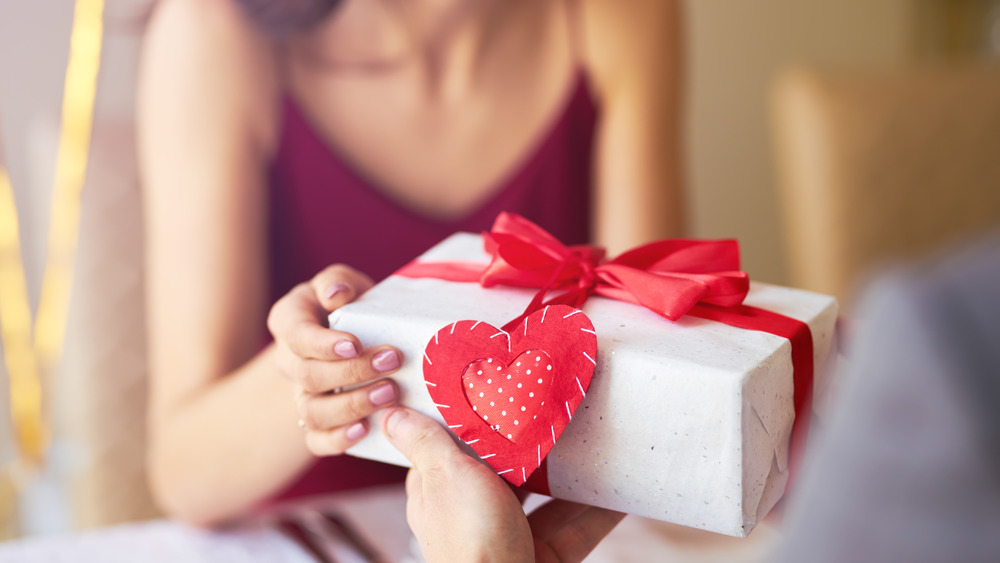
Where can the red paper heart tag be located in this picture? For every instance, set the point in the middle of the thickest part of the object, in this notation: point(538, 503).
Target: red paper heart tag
point(511, 395)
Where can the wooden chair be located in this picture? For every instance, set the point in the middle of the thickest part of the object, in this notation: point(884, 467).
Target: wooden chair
point(880, 165)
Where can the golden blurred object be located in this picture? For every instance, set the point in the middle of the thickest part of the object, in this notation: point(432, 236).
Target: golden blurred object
point(79, 93)
point(28, 358)
point(15, 330)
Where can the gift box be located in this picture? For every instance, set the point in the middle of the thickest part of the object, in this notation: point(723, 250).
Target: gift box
point(686, 421)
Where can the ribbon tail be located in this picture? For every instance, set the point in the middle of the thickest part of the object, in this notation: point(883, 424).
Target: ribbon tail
point(467, 272)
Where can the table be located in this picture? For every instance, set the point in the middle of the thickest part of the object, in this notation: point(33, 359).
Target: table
point(378, 515)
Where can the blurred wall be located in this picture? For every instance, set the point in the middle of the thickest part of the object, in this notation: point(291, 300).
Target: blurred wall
point(736, 49)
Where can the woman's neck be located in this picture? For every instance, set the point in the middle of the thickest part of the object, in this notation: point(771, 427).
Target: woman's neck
point(443, 40)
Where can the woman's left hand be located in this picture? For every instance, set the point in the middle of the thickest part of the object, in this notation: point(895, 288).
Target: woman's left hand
point(461, 510)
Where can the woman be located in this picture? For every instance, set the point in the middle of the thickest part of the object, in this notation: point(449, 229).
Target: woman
point(278, 137)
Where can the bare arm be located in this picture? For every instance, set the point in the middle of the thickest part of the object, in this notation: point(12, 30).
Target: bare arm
point(223, 431)
point(633, 54)
point(206, 280)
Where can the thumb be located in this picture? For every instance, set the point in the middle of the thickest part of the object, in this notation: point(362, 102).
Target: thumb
point(420, 438)
point(337, 285)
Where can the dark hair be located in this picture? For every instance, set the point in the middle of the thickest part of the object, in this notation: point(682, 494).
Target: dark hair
point(285, 17)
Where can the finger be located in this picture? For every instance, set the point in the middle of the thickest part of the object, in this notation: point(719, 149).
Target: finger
point(320, 376)
point(337, 285)
point(337, 440)
point(549, 518)
point(421, 439)
point(299, 318)
point(311, 340)
point(325, 412)
point(298, 322)
point(576, 538)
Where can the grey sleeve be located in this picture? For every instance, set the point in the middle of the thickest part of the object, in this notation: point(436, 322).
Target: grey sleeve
point(908, 469)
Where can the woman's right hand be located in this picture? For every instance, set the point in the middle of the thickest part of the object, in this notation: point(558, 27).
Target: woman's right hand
point(320, 361)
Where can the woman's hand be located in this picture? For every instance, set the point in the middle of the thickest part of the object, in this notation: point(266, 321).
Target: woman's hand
point(321, 361)
point(461, 510)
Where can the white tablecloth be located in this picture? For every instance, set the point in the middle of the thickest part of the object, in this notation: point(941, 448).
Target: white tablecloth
point(378, 515)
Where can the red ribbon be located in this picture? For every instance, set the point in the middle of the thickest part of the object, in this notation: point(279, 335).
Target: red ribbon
point(671, 277)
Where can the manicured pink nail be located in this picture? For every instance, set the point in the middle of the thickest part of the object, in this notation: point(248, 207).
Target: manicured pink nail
point(382, 394)
point(356, 431)
point(336, 288)
point(386, 360)
point(345, 349)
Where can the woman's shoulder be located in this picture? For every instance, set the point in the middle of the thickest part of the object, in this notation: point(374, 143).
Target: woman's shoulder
point(206, 57)
point(626, 45)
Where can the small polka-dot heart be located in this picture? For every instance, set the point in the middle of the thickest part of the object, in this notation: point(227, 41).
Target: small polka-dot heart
point(525, 397)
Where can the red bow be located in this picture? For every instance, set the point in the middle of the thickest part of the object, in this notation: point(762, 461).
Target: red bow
point(668, 277)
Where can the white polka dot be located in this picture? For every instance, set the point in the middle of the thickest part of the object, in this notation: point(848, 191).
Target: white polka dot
point(512, 399)
point(480, 372)
point(492, 404)
point(548, 367)
point(499, 389)
point(528, 372)
point(509, 436)
point(531, 394)
point(498, 368)
point(486, 417)
point(470, 386)
point(488, 381)
point(508, 376)
point(490, 360)
point(474, 407)
point(538, 358)
point(534, 417)
point(503, 413)
point(539, 379)
point(518, 363)
point(523, 408)
point(518, 385)
point(515, 423)
point(480, 394)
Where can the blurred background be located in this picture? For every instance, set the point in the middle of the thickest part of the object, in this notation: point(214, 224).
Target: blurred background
point(828, 137)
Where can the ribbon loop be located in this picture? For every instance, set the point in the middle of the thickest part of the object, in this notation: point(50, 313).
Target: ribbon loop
point(668, 277)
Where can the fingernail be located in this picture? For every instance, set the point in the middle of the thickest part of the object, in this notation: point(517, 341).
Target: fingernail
point(345, 349)
point(356, 431)
point(393, 421)
point(382, 394)
point(336, 288)
point(386, 360)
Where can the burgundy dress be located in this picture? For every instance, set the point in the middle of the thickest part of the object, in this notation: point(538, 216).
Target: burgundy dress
point(323, 211)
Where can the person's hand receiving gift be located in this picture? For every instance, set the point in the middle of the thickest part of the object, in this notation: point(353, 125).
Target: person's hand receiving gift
point(461, 510)
point(321, 362)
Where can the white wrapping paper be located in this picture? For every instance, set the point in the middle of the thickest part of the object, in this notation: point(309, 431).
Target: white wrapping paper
point(685, 421)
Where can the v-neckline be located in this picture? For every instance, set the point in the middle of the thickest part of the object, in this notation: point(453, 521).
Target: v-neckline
point(520, 167)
